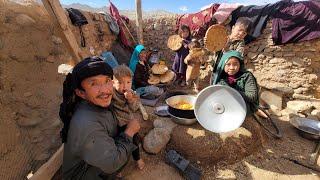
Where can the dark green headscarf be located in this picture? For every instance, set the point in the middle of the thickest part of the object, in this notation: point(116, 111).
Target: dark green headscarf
point(224, 59)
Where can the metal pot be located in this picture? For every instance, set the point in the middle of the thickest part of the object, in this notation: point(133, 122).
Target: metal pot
point(183, 121)
point(180, 113)
point(307, 128)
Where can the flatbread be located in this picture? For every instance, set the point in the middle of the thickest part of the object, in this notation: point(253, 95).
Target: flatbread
point(167, 77)
point(216, 38)
point(159, 69)
point(153, 79)
point(174, 42)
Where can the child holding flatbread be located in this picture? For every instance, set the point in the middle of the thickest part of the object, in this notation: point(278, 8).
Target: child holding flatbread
point(235, 41)
point(193, 61)
point(178, 66)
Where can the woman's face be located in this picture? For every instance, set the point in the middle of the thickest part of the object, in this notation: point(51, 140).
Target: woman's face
point(143, 56)
point(232, 66)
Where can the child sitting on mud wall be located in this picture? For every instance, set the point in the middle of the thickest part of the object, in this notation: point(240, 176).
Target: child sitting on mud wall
point(231, 72)
point(126, 103)
point(193, 61)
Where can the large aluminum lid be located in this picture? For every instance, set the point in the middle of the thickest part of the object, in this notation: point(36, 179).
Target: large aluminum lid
point(220, 109)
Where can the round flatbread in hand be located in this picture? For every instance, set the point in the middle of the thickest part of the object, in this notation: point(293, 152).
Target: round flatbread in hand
point(216, 38)
point(174, 42)
point(167, 77)
point(153, 79)
point(159, 69)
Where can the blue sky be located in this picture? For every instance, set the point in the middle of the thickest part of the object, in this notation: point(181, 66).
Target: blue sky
point(176, 6)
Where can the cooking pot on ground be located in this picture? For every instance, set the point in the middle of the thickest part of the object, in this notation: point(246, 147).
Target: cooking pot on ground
point(181, 113)
point(307, 128)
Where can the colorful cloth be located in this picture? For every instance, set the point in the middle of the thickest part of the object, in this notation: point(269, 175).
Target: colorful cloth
point(198, 22)
point(116, 15)
point(296, 22)
point(258, 15)
point(224, 11)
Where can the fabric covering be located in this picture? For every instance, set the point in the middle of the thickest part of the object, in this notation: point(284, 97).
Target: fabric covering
point(116, 15)
point(108, 58)
point(258, 15)
point(224, 11)
point(114, 27)
point(89, 67)
point(198, 22)
point(296, 22)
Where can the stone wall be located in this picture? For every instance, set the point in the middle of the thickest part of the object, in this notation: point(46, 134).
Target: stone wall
point(291, 70)
point(155, 34)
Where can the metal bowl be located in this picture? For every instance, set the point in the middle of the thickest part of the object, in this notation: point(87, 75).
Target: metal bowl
point(183, 121)
point(307, 128)
point(189, 114)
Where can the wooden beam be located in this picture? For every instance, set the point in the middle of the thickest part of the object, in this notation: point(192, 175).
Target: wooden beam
point(139, 21)
point(48, 169)
point(59, 17)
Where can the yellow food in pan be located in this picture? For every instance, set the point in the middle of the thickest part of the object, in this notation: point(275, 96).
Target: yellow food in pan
point(184, 106)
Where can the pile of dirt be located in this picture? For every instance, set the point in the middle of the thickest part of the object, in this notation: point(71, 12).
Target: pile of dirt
point(207, 148)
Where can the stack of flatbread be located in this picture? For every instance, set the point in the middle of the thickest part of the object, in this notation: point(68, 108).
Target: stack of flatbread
point(159, 69)
point(153, 79)
point(160, 74)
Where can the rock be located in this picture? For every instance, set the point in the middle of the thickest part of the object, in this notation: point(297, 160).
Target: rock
point(277, 60)
point(295, 85)
point(50, 59)
point(64, 68)
point(28, 122)
point(156, 140)
point(312, 78)
point(252, 55)
point(167, 124)
point(25, 20)
point(289, 54)
point(56, 40)
point(316, 113)
point(301, 90)
point(300, 96)
point(298, 62)
point(272, 98)
point(27, 94)
point(300, 106)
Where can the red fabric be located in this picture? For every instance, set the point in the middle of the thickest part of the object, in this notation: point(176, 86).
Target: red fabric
point(198, 22)
point(116, 15)
point(232, 79)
